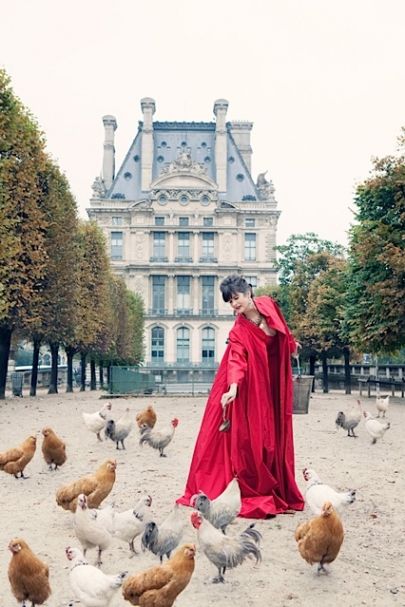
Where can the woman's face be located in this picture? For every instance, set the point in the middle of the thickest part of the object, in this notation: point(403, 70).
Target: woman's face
point(240, 302)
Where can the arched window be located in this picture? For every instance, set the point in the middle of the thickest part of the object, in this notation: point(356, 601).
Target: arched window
point(157, 344)
point(208, 345)
point(183, 345)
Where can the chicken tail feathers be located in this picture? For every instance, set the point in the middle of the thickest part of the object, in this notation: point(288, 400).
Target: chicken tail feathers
point(110, 429)
point(252, 534)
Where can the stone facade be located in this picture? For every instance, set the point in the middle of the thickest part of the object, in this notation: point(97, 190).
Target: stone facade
point(182, 213)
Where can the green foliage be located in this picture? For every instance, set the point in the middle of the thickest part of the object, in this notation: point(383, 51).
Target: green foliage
point(136, 325)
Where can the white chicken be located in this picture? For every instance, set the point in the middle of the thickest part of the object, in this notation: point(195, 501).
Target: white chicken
point(89, 530)
point(350, 419)
point(163, 539)
point(375, 428)
point(126, 525)
point(382, 403)
point(118, 430)
point(317, 493)
point(221, 511)
point(224, 551)
point(90, 585)
point(96, 421)
point(158, 439)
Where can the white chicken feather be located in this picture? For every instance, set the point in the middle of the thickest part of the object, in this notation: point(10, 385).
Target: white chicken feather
point(382, 403)
point(89, 530)
point(317, 493)
point(222, 510)
point(374, 427)
point(95, 422)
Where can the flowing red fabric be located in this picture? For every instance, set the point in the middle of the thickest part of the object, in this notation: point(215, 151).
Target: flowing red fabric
point(259, 447)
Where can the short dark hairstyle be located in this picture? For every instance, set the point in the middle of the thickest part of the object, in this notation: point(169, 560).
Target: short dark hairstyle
point(234, 284)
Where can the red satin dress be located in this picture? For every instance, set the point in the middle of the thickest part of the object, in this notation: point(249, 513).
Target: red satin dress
point(259, 447)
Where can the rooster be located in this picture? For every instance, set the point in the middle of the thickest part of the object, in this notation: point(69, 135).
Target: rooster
point(89, 531)
point(158, 439)
point(146, 417)
point(15, 460)
point(223, 551)
point(96, 421)
point(320, 539)
point(160, 586)
point(221, 511)
point(163, 539)
point(375, 428)
point(349, 420)
point(91, 586)
point(382, 404)
point(119, 430)
point(28, 575)
point(317, 493)
point(53, 449)
point(95, 486)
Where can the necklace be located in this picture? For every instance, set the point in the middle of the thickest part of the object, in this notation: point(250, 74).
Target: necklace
point(258, 321)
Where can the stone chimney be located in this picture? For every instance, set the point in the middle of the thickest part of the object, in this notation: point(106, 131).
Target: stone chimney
point(220, 109)
point(110, 124)
point(240, 131)
point(148, 108)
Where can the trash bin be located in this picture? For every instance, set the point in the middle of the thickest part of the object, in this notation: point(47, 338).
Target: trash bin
point(17, 380)
point(302, 391)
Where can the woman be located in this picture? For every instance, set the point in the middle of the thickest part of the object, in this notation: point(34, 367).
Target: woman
point(254, 386)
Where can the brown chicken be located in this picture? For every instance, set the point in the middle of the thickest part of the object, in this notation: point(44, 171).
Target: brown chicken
point(320, 538)
point(160, 586)
point(29, 577)
point(14, 460)
point(95, 487)
point(146, 416)
point(53, 449)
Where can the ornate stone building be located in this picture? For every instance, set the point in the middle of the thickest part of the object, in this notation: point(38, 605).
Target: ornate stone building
point(183, 212)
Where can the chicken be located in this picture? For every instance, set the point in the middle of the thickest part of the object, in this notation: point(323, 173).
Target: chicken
point(91, 586)
point(146, 417)
point(158, 439)
point(382, 404)
point(349, 420)
point(95, 487)
point(89, 531)
point(224, 551)
point(160, 586)
point(53, 449)
point(320, 539)
point(119, 430)
point(126, 525)
point(375, 428)
point(163, 539)
point(221, 511)
point(28, 575)
point(317, 493)
point(15, 460)
point(96, 421)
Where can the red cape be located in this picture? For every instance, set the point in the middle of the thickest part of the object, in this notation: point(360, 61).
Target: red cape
point(259, 447)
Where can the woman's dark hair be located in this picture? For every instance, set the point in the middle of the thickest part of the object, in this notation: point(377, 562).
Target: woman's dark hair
point(234, 284)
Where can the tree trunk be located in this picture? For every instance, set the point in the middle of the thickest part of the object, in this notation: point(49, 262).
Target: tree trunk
point(312, 361)
point(325, 378)
point(93, 381)
point(34, 368)
point(53, 385)
point(5, 343)
point(109, 374)
point(348, 376)
point(101, 374)
point(70, 352)
point(83, 356)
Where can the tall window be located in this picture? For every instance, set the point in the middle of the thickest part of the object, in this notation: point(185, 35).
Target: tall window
point(208, 345)
point(183, 293)
point(116, 245)
point(159, 245)
point(157, 344)
point(250, 247)
point(184, 245)
point(208, 245)
point(183, 344)
point(251, 280)
point(207, 284)
point(158, 294)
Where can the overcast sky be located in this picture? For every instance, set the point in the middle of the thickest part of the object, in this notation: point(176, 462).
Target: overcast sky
point(322, 81)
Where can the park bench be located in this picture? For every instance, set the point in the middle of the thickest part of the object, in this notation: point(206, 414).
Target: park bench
point(394, 384)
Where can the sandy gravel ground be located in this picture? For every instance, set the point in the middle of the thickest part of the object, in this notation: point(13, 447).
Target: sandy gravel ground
point(369, 570)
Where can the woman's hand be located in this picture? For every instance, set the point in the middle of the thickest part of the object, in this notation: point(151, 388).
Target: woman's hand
point(297, 347)
point(229, 396)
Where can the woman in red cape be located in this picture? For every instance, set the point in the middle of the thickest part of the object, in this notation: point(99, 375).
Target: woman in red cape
point(255, 376)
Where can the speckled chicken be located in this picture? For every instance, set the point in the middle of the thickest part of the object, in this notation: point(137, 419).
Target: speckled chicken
point(28, 575)
point(15, 460)
point(118, 430)
point(95, 487)
point(350, 419)
point(53, 449)
point(222, 510)
point(158, 439)
point(163, 539)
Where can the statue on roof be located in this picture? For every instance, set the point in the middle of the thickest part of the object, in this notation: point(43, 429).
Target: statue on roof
point(184, 164)
point(264, 187)
point(98, 188)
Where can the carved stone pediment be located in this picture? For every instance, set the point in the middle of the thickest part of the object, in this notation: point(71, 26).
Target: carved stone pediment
point(184, 173)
